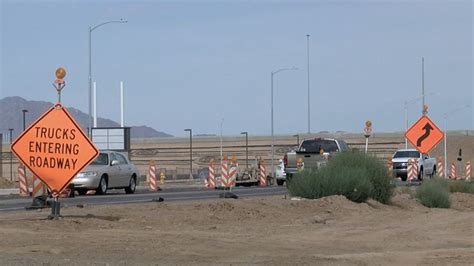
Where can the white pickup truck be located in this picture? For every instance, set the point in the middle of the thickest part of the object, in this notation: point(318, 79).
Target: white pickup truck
point(425, 164)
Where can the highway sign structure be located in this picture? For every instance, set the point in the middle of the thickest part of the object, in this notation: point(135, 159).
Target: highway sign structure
point(367, 133)
point(55, 149)
point(424, 135)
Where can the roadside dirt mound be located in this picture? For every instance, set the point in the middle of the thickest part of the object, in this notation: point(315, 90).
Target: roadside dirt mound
point(269, 231)
point(462, 201)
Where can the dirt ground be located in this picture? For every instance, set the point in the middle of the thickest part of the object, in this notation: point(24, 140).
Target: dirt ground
point(270, 231)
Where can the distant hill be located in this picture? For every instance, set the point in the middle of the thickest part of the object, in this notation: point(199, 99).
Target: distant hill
point(11, 117)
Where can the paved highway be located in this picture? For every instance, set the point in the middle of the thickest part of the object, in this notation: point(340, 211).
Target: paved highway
point(168, 195)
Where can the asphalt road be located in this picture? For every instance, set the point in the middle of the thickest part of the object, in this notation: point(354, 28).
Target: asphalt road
point(141, 196)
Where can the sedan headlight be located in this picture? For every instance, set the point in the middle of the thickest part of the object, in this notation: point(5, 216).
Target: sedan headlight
point(87, 174)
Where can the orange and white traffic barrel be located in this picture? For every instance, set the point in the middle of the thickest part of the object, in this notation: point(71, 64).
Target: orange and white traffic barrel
point(232, 174)
point(224, 173)
point(468, 171)
point(212, 175)
point(412, 170)
point(263, 174)
point(452, 174)
point(152, 176)
point(23, 184)
point(300, 164)
point(440, 166)
point(389, 164)
point(39, 189)
point(39, 194)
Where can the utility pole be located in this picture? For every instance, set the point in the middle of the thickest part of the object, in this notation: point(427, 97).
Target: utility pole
point(190, 152)
point(309, 101)
point(246, 149)
point(11, 154)
point(24, 118)
point(424, 110)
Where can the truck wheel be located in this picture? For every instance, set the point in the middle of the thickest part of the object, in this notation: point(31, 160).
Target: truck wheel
point(433, 173)
point(280, 182)
point(420, 175)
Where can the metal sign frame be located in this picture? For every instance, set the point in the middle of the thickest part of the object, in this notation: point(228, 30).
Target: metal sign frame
point(111, 138)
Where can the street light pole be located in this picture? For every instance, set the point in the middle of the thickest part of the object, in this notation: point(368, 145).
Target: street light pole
point(406, 123)
point(273, 136)
point(297, 140)
point(222, 122)
point(91, 29)
point(190, 152)
point(24, 118)
point(423, 111)
point(246, 149)
point(309, 113)
point(11, 154)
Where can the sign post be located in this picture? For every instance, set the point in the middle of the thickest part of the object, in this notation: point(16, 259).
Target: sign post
point(367, 133)
point(424, 135)
point(54, 147)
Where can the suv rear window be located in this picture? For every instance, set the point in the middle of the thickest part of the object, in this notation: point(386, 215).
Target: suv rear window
point(314, 145)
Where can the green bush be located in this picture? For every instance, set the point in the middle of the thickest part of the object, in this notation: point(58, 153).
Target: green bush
point(434, 193)
point(461, 186)
point(352, 174)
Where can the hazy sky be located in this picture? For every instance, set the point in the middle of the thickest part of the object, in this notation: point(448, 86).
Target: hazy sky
point(188, 64)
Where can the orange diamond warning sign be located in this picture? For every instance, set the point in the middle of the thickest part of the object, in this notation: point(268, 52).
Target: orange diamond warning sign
point(55, 149)
point(424, 135)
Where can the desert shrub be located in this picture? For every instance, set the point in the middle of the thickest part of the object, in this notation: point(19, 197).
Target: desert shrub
point(434, 193)
point(352, 174)
point(461, 186)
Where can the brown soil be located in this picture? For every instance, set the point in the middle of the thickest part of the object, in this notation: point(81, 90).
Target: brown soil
point(6, 183)
point(274, 230)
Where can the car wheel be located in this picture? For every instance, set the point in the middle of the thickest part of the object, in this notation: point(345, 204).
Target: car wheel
point(132, 185)
point(280, 182)
point(102, 189)
point(81, 192)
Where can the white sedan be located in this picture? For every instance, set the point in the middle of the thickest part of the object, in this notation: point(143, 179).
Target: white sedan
point(109, 170)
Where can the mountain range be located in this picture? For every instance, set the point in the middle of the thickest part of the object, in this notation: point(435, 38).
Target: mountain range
point(11, 116)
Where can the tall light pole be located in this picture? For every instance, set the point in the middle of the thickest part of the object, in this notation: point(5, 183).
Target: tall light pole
point(445, 116)
point(423, 110)
point(246, 149)
point(24, 118)
point(222, 122)
point(309, 101)
point(91, 29)
point(273, 137)
point(190, 152)
point(11, 154)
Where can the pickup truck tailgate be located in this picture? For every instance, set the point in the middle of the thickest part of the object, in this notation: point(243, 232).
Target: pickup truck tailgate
point(311, 160)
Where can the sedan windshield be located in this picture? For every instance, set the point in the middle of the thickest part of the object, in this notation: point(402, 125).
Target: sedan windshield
point(407, 154)
point(102, 159)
